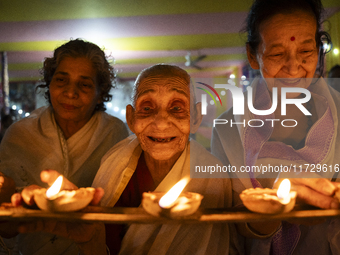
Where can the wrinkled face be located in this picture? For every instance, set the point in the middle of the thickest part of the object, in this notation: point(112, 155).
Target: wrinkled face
point(288, 50)
point(74, 91)
point(161, 118)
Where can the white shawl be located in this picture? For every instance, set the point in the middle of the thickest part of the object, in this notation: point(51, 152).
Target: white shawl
point(227, 146)
point(36, 143)
point(118, 166)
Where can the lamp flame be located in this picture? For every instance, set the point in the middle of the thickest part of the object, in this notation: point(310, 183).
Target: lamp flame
point(169, 199)
point(55, 188)
point(284, 189)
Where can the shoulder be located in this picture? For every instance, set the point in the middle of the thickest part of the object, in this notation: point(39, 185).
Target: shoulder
point(200, 155)
point(113, 124)
point(111, 120)
point(335, 95)
point(223, 121)
point(123, 147)
point(30, 123)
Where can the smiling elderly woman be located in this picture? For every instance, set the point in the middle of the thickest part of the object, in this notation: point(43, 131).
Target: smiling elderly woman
point(70, 135)
point(285, 43)
point(154, 159)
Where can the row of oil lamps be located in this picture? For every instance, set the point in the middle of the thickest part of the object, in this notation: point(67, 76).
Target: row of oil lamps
point(174, 203)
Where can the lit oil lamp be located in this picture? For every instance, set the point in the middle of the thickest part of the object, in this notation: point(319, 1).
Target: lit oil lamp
point(174, 203)
point(270, 201)
point(56, 200)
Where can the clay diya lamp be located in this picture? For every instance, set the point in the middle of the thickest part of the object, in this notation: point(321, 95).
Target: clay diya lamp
point(174, 203)
point(270, 201)
point(56, 200)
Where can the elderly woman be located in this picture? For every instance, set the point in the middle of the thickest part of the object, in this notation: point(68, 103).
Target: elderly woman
point(158, 156)
point(284, 43)
point(70, 135)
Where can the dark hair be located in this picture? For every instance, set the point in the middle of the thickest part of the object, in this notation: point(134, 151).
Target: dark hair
point(75, 49)
point(334, 69)
point(262, 10)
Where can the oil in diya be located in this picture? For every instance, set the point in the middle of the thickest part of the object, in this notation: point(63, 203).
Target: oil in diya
point(174, 203)
point(270, 201)
point(56, 200)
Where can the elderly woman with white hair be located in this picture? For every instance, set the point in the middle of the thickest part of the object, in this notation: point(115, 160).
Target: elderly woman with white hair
point(160, 153)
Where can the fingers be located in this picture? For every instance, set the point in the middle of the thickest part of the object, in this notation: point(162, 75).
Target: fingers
point(28, 194)
point(99, 193)
point(49, 176)
point(315, 198)
point(320, 185)
point(7, 188)
point(16, 199)
point(68, 185)
point(6, 182)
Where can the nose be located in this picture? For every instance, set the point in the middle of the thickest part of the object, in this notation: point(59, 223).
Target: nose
point(71, 90)
point(162, 120)
point(292, 64)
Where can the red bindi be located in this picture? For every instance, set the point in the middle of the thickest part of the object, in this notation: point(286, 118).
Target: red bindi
point(292, 38)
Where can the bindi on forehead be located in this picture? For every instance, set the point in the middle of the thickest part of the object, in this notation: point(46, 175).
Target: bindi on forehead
point(292, 38)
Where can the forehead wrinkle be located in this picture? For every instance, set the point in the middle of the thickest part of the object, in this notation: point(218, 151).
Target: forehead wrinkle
point(81, 76)
point(86, 77)
point(62, 72)
point(174, 83)
point(308, 41)
point(275, 46)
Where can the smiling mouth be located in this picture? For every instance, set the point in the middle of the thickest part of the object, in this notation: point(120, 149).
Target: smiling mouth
point(161, 140)
point(68, 106)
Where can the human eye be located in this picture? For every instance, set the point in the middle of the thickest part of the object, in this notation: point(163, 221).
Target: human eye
point(59, 80)
point(306, 52)
point(178, 107)
point(86, 85)
point(276, 54)
point(145, 108)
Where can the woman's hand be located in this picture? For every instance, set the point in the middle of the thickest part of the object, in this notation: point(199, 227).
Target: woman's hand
point(7, 188)
point(318, 192)
point(49, 177)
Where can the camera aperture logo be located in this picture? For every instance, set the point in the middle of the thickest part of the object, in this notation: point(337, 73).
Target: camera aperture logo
point(204, 97)
point(239, 104)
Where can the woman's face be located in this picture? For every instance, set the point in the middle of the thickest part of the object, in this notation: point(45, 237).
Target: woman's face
point(288, 50)
point(161, 118)
point(74, 91)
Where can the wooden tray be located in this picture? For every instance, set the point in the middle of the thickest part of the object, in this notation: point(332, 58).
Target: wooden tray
point(138, 215)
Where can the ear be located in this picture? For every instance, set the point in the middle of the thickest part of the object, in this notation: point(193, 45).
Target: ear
point(196, 119)
point(252, 59)
point(130, 117)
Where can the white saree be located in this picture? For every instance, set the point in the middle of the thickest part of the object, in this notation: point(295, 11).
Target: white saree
point(228, 144)
point(118, 166)
point(36, 143)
